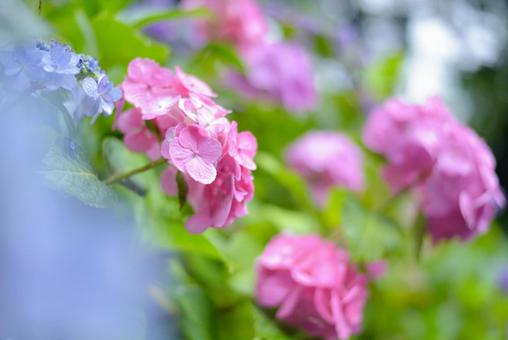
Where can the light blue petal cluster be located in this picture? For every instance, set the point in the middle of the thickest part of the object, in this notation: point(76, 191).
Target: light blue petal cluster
point(49, 66)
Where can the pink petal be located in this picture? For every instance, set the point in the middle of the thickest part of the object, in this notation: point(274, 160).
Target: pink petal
point(273, 288)
point(194, 84)
point(180, 155)
point(168, 181)
point(209, 149)
point(200, 171)
point(198, 223)
point(189, 138)
point(141, 141)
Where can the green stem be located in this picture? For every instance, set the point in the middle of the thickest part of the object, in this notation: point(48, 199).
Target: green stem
point(123, 175)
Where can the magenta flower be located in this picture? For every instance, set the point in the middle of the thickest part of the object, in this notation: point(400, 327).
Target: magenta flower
point(446, 163)
point(326, 159)
point(237, 21)
point(408, 136)
point(280, 72)
point(461, 195)
point(313, 286)
point(193, 152)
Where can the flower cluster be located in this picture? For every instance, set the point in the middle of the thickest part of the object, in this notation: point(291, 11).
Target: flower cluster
point(450, 167)
point(238, 21)
point(276, 71)
point(280, 72)
point(175, 116)
point(313, 286)
point(326, 159)
point(51, 66)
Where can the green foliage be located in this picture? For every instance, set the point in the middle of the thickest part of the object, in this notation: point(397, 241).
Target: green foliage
point(132, 43)
point(383, 75)
point(66, 168)
point(449, 293)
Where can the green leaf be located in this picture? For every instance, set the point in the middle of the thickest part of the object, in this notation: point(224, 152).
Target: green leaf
point(236, 322)
point(119, 43)
point(369, 236)
point(139, 19)
point(196, 313)
point(169, 232)
point(382, 76)
point(290, 180)
point(333, 208)
point(66, 168)
point(286, 220)
point(265, 328)
point(226, 54)
point(122, 159)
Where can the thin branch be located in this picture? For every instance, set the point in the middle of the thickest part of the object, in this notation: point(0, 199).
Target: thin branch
point(123, 175)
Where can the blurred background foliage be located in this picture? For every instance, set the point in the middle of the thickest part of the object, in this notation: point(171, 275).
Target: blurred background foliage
point(363, 52)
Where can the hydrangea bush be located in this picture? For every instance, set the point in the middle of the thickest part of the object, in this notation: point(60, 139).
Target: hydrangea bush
point(293, 211)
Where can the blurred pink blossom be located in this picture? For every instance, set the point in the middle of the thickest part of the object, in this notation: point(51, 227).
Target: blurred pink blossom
point(313, 286)
point(240, 22)
point(278, 71)
point(447, 163)
point(326, 159)
point(461, 195)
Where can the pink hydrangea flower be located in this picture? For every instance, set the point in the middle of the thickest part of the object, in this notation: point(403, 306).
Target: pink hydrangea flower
point(278, 71)
point(137, 136)
point(408, 136)
point(192, 151)
point(461, 195)
point(313, 286)
point(189, 129)
point(149, 87)
point(224, 200)
point(445, 162)
point(326, 159)
point(237, 21)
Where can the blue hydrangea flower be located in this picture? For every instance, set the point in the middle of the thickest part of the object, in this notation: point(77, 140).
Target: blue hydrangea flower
point(60, 59)
point(22, 66)
point(97, 96)
point(51, 66)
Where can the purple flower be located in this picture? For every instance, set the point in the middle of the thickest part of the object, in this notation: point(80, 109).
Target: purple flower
point(503, 280)
point(95, 97)
point(326, 159)
point(279, 71)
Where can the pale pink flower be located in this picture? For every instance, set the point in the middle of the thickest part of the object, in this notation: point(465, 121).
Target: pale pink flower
point(326, 159)
point(237, 21)
point(193, 152)
point(150, 88)
point(313, 285)
point(242, 147)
